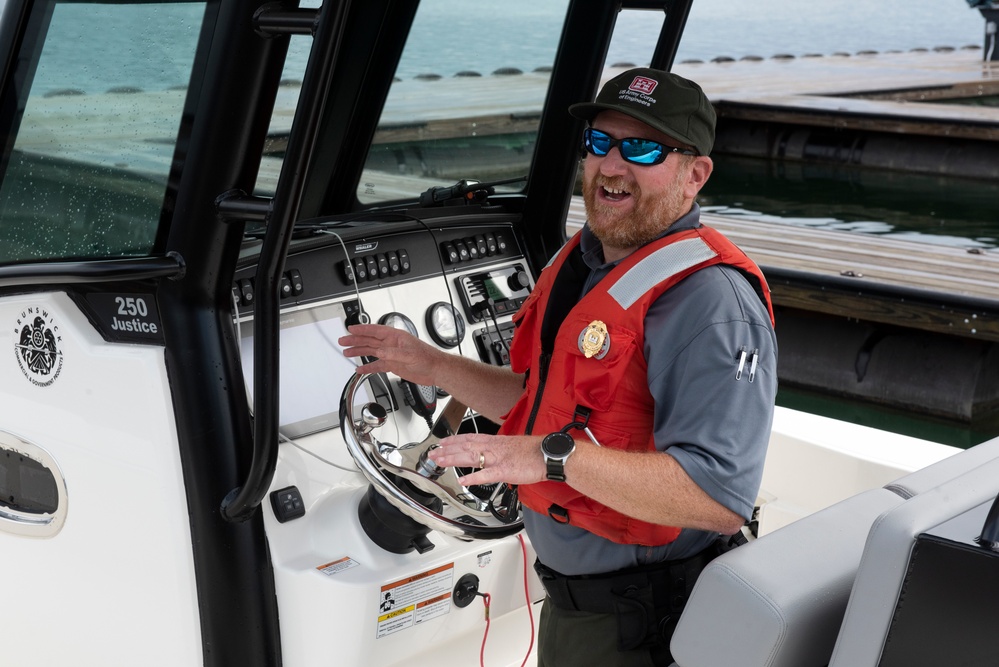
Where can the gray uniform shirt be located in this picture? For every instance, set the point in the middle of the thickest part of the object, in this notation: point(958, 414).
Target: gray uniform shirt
point(715, 426)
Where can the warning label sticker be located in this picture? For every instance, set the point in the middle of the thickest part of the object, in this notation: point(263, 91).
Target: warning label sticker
point(337, 566)
point(408, 602)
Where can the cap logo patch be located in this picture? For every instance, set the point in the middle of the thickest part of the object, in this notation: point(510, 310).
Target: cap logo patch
point(644, 85)
point(639, 92)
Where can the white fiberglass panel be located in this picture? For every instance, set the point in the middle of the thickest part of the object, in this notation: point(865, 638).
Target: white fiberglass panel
point(814, 462)
point(331, 579)
point(114, 586)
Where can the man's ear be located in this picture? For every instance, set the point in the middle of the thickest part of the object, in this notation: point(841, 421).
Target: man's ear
point(699, 173)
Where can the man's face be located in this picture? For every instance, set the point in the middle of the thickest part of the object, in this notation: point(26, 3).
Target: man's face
point(628, 204)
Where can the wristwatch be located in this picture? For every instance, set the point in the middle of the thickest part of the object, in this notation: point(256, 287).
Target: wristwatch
point(557, 448)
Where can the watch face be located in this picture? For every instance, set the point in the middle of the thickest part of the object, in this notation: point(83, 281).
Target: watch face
point(558, 444)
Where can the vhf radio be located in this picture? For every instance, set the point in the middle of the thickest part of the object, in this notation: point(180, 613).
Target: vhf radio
point(507, 287)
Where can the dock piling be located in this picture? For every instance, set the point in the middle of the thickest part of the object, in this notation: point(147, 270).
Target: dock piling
point(990, 13)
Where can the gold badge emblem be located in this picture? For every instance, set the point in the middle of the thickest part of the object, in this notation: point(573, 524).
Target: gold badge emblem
point(594, 341)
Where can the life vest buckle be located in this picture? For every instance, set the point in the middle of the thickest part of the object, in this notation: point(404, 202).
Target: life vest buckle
point(580, 419)
point(558, 513)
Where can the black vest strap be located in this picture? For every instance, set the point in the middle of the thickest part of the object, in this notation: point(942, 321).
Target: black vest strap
point(566, 290)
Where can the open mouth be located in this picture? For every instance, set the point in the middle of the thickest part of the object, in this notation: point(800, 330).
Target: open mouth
point(614, 194)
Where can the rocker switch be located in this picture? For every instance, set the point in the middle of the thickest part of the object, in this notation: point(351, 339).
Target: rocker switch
point(297, 285)
point(287, 504)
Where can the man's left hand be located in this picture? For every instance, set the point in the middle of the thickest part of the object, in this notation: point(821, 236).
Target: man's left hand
point(514, 459)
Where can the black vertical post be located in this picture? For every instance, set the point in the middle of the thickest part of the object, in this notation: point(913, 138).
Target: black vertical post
point(991, 16)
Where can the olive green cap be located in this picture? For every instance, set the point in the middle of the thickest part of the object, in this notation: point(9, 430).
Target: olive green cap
point(665, 101)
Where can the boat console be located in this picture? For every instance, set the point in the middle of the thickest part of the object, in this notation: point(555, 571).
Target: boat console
point(359, 512)
point(455, 286)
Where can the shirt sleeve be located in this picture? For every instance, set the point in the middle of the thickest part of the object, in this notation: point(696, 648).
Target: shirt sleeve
point(712, 368)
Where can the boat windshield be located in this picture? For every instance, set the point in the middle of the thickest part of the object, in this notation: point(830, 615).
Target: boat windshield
point(465, 101)
point(99, 119)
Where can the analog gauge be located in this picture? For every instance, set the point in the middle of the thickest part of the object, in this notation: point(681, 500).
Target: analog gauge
point(445, 324)
point(399, 321)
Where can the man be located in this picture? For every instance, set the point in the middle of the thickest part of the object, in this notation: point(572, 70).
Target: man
point(637, 411)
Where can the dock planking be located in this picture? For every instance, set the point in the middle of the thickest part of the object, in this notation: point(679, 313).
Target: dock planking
point(890, 92)
point(877, 115)
point(868, 277)
point(897, 92)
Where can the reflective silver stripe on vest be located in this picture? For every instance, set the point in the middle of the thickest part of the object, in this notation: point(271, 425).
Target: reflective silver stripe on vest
point(657, 267)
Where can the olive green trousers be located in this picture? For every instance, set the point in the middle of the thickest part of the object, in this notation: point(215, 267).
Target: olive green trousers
point(580, 639)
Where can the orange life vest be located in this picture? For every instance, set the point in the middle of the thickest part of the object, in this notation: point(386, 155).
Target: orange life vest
point(608, 390)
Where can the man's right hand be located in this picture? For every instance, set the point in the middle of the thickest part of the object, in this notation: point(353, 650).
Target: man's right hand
point(489, 390)
point(397, 352)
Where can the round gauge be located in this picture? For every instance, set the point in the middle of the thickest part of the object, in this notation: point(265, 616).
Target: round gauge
point(445, 324)
point(399, 321)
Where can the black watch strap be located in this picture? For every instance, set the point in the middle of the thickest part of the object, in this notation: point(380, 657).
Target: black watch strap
point(556, 470)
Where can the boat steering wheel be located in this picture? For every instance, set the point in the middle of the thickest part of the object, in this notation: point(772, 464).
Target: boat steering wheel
point(407, 477)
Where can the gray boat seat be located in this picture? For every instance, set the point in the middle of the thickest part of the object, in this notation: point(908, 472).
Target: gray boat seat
point(779, 601)
point(886, 556)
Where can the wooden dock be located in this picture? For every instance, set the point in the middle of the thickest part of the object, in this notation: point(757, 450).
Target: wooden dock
point(918, 111)
point(890, 92)
point(903, 90)
point(906, 325)
point(941, 289)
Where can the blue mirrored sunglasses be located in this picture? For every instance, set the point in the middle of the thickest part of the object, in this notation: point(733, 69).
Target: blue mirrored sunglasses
point(633, 149)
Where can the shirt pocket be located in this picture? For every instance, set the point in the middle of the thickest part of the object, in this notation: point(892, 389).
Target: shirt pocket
point(594, 381)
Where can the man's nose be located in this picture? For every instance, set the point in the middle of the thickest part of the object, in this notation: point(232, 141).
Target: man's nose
point(613, 163)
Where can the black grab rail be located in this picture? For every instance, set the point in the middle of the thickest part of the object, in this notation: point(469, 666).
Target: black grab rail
point(325, 27)
point(92, 271)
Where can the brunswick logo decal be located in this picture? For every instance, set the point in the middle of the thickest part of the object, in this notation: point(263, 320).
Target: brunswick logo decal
point(37, 347)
